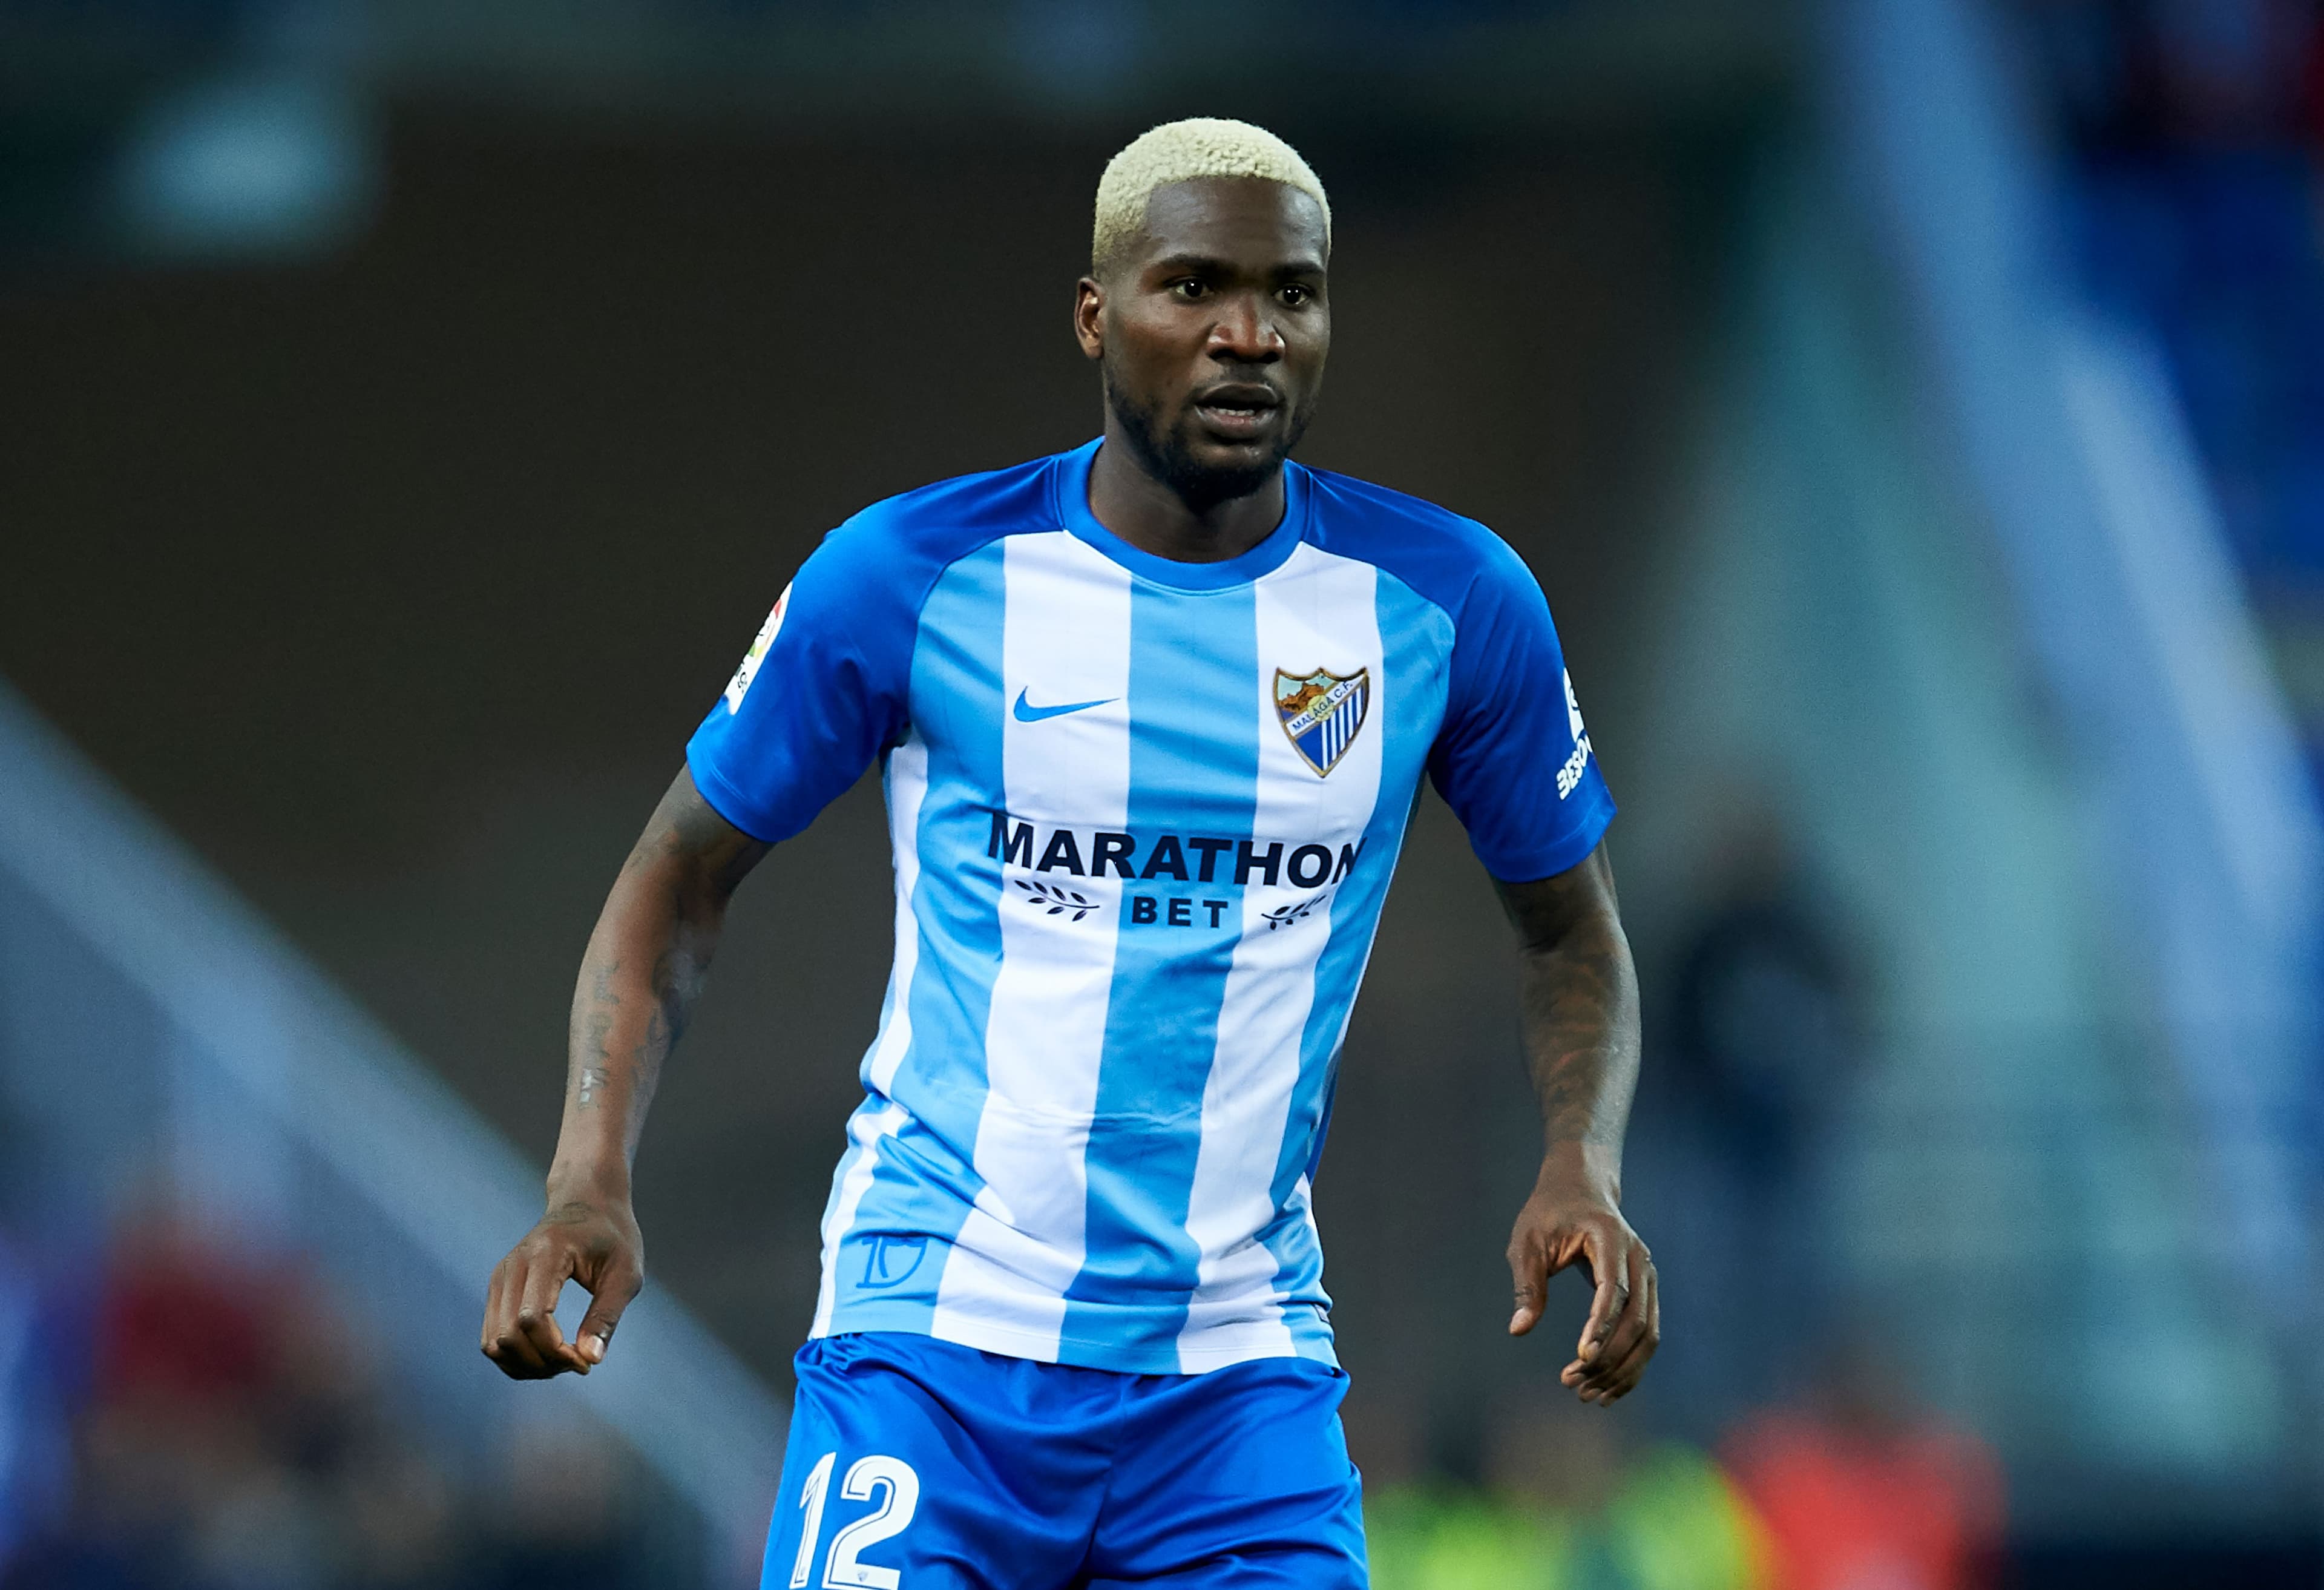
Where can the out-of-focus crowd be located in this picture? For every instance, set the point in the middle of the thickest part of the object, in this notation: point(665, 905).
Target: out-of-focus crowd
point(1844, 1480)
point(2195, 130)
point(194, 1414)
point(1857, 1489)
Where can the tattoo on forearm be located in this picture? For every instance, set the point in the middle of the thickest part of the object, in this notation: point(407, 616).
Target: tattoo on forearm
point(1579, 999)
point(678, 979)
point(650, 956)
point(1580, 1040)
point(596, 1010)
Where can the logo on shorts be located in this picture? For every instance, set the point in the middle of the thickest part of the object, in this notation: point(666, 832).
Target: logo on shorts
point(740, 684)
point(1322, 712)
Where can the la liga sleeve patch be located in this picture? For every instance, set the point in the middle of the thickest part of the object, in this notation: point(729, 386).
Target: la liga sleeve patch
point(740, 684)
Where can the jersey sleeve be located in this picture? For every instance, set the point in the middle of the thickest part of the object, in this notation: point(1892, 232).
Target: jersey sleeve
point(1513, 760)
point(822, 690)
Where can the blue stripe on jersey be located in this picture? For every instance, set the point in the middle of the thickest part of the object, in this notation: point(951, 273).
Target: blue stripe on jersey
point(1192, 656)
point(925, 1181)
point(1415, 635)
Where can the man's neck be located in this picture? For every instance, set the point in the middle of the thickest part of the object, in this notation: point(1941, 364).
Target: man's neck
point(1149, 515)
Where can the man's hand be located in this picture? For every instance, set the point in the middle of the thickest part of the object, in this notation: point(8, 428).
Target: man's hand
point(646, 963)
point(594, 1244)
point(1572, 1219)
point(1580, 998)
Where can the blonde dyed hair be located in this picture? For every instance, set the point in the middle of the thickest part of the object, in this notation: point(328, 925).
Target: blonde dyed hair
point(1182, 151)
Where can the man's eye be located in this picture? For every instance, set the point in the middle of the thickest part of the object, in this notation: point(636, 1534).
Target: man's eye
point(1189, 288)
point(1297, 296)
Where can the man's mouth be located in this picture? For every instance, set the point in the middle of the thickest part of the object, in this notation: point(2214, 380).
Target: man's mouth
point(1237, 412)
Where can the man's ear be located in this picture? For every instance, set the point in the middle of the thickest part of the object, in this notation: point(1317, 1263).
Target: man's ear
point(1088, 317)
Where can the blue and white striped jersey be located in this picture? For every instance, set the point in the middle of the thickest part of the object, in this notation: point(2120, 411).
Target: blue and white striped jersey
point(1144, 814)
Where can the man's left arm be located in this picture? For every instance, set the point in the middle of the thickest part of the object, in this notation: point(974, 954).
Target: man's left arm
point(1579, 995)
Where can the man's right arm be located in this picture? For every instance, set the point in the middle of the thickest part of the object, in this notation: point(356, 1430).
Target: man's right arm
point(646, 964)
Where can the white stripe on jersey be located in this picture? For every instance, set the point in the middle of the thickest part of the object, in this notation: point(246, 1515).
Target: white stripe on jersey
point(908, 786)
point(1064, 639)
point(1318, 610)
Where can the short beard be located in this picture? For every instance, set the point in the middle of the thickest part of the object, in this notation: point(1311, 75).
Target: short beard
point(1167, 457)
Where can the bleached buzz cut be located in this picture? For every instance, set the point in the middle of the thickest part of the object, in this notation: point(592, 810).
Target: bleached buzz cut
point(1182, 151)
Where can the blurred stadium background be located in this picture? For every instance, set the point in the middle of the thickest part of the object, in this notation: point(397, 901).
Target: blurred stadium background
point(1913, 408)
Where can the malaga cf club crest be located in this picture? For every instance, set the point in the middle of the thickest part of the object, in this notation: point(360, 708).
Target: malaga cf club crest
point(1322, 712)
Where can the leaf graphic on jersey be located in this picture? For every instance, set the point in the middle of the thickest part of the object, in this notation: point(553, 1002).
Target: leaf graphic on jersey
point(1056, 897)
point(1282, 916)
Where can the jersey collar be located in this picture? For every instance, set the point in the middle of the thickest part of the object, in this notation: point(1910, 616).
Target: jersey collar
point(1071, 484)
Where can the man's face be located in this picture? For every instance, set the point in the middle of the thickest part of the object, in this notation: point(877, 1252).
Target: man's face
point(1212, 333)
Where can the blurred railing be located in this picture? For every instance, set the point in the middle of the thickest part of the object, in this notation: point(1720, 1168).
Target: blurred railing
point(151, 1025)
point(1950, 608)
point(2054, 1280)
point(2199, 820)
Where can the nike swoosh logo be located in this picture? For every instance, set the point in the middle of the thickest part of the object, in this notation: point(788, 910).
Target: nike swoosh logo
point(1028, 713)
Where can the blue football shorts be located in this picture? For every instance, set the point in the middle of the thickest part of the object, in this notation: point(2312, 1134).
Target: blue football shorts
point(920, 1465)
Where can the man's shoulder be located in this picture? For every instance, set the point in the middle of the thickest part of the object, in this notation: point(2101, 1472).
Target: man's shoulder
point(891, 555)
point(1354, 501)
point(962, 513)
point(1443, 556)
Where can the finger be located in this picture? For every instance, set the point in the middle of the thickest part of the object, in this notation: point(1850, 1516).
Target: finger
point(536, 1314)
point(1589, 1372)
point(1529, 1279)
point(491, 1325)
point(1626, 1358)
point(1631, 1323)
point(1609, 1268)
point(1651, 1344)
point(613, 1293)
point(504, 1342)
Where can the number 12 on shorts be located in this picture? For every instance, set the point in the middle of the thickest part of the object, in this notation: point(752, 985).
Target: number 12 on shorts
point(841, 1570)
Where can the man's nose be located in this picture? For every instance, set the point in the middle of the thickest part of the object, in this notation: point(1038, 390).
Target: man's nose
point(1245, 334)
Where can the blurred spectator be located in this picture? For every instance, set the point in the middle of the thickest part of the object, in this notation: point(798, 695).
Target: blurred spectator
point(1764, 1022)
point(1568, 1505)
point(2198, 210)
point(1767, 1034)
point(1861, 1490)
point(32, 1439)
point(197, 1456)
point(222, 1437)
point(564, 1519)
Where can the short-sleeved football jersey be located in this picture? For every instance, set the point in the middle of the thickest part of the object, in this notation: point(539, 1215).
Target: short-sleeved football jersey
point(1143, 815)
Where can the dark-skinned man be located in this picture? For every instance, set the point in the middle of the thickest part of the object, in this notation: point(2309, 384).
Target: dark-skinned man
point(1151, 717)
